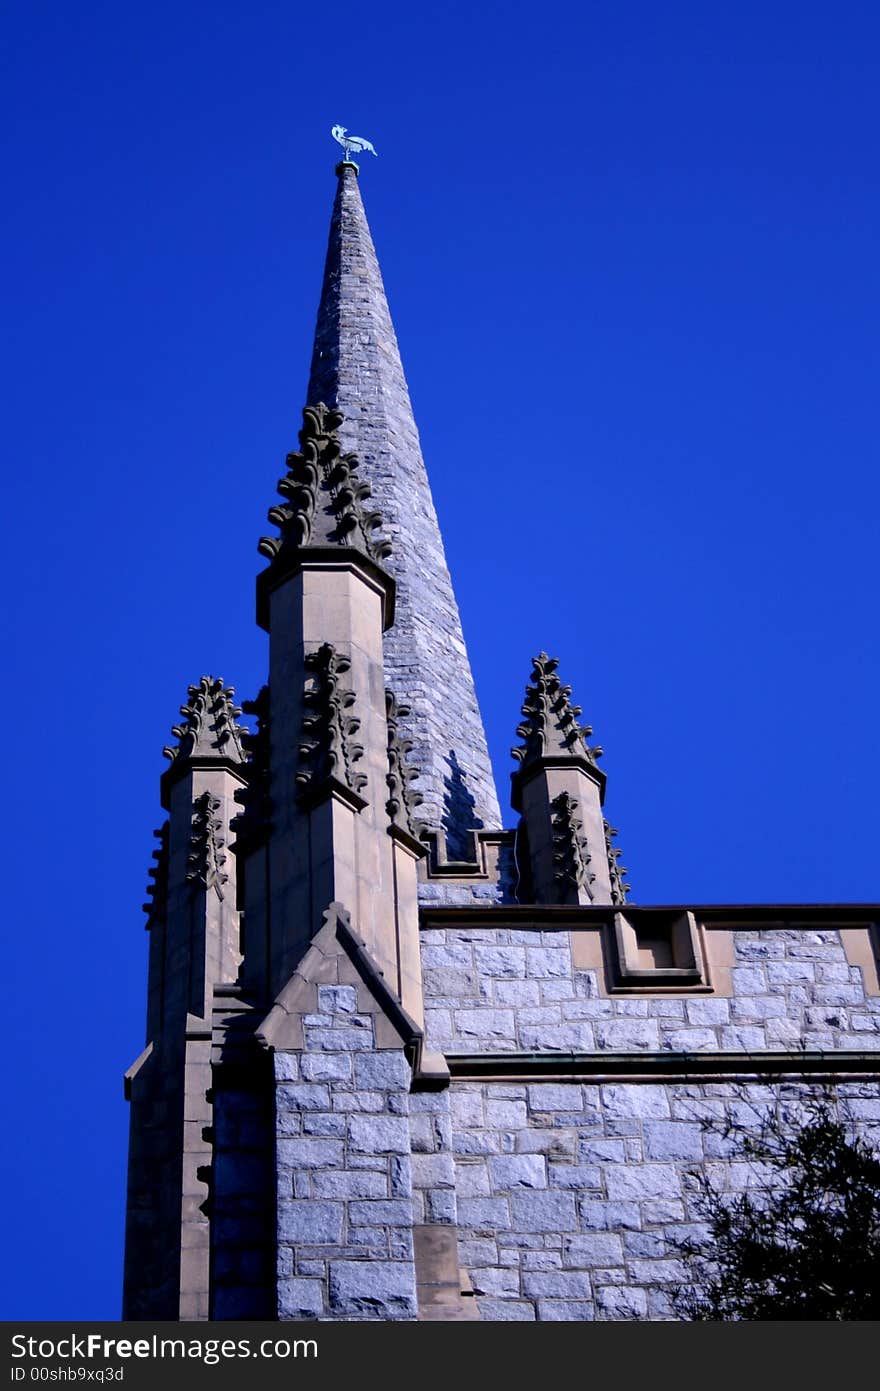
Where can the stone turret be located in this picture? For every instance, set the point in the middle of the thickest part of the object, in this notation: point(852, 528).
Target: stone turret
point(559, 789)
point(195, 944)
point(356, 367)
point(326, 599)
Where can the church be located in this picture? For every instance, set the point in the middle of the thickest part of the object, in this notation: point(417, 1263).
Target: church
point(410, 1057)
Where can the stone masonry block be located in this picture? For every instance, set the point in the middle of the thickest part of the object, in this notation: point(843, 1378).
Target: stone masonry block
point(634, 1099)
point(558, 1284)
point(337, 999)
point(543, 1212)
point(388, 1212)
point(433, 1170)
point(326, 1067)
point(300, 1299)
point(505, 1114)
point(378, 1134)
point(548, 961)
point(507, 962)
point(350, 1183)
point(303, 1096)
point(287, 1067)
point(642, 1181)
point(310, 1222)
point(518, 1171)
point(621, 1302)
point(552, 1096)
point(310, 1154)
point(623, 1034)
point(387, 1071)
point(672, 1140)
point(489, 1214)
point(372, 1290)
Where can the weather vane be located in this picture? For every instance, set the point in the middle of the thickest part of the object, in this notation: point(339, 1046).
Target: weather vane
point(351, 144)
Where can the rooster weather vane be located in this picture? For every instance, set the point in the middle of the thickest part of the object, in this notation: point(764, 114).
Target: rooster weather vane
point(351, 144)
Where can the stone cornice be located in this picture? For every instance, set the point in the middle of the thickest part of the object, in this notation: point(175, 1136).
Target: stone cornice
point(295, 562)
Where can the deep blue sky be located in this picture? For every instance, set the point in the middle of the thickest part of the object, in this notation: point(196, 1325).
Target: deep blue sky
point(631, 251)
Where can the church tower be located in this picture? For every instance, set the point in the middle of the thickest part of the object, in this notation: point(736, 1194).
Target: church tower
point(403, 1062)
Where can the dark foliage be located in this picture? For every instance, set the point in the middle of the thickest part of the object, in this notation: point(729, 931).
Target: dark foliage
point(804, 1243)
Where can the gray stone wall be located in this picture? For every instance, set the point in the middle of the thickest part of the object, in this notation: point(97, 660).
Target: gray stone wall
point(513, 990)
point(345, 1187)
point(571, 1196)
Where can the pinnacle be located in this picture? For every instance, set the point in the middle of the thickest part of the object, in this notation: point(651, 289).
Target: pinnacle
point(356, 370)
point(210, 726)
point(616, 872)
point(323, 495)
point(550, 728)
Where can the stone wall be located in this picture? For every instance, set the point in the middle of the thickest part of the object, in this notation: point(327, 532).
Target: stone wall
point(345, 1194)
point(571, 1196)
point(514, 990)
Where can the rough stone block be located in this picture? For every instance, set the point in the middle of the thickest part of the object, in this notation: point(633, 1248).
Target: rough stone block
point(556, 1284)
point(310, 1154)
point(320, 1123)
point(485, 1024)
point(441, 1207)
point(657, 1272)
point(505, 1114)
point(743, 1038)
point(542, 1212)
point(339, 1040)
point(639, 1181)
point(518, 993)
point(378, 1134)
point(594, 1249)
point(548, 961)
point(337, 999)
point(386, 1071)
point(602, 1151)
point(300, 1299)
point(634, 1099)
point(326, 1067)
point(565, 1310)
point(621, 1302)
point(498, 1281)
point(672, 1140)
point(575, 1176)
point(518, 1171)
point(707, 1011)
point(749, 980)
point(624, 1034)
point(433, 1170)
point(287, 1067)
point(302, 1096)
point(310, 1221)
point(507, 1311)
point(507, 962)
point(489, 1214)
point(372, 1290)
point(388, 1212)
point(552, 1096)
point(466, 1106)
point(350, 1183)
point(400, 1175)
point(540, 1038)
point(690, 1040)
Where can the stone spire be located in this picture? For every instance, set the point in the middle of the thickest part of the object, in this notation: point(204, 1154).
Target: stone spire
point(210, 726)
point(558, 789)
point(550, 728)
point(356, 368)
